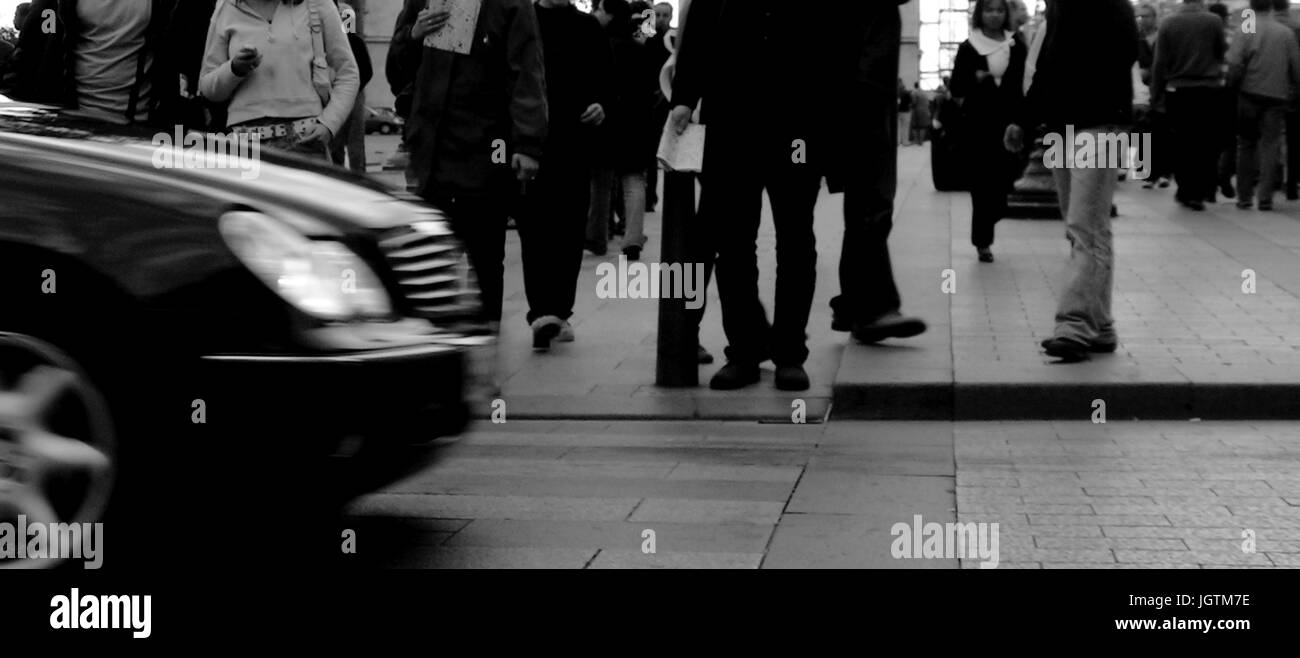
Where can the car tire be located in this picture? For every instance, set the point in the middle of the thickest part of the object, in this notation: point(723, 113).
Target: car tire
point(385, 129)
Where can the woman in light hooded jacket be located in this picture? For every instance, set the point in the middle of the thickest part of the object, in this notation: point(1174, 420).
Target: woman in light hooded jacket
point(261, 57)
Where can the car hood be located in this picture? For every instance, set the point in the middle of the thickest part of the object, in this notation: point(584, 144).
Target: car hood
point(319, 199)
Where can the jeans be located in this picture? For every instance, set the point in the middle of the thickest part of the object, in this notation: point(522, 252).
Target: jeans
point(1260, 124)
point(634, 203)
point(1083, 312)
point(551, 228)
point(1196, 140)
point(351, 139)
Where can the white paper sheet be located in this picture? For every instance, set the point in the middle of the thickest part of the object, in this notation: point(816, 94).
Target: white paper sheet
point(457, 35)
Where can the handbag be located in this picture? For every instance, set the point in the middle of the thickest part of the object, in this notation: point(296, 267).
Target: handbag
point(322, 76)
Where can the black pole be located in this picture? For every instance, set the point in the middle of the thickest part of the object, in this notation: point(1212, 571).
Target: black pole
point(676, 363)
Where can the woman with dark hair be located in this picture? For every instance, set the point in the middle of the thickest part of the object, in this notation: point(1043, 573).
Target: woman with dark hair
point(628, 143)
point(987, 81)
point(286, 68)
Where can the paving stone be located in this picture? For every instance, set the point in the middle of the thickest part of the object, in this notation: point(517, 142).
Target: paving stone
point(661, 560)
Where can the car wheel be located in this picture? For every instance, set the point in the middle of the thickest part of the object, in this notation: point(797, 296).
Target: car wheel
point(58, 450)
point(386, 129)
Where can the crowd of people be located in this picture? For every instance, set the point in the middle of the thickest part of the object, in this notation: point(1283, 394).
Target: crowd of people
point(553, 115)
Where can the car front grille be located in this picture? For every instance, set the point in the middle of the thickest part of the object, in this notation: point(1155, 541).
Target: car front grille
point(432, 271)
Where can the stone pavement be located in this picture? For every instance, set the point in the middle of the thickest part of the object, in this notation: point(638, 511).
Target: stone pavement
point(1193, 344)
point(541, 494)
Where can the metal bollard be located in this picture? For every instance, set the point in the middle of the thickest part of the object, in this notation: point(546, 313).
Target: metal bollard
point(676, 362)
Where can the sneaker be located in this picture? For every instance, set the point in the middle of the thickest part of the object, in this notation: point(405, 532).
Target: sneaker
point(792, 378)
point(632, 252)
point(566, 333)
point(889, 325)
point(703, 356)
point(545, 329)
point(986, 256)
point(1066, 349)
point(734, 376)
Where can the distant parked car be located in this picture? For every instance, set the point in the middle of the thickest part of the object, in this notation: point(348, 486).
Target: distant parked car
point(383, 120)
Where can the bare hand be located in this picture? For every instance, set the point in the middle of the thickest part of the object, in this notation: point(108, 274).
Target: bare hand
point(1014, 139)
point(524, 166)
point(595, 114)
point(246, 61)
point(680, 118)
point(428, 22)
point(317, 133)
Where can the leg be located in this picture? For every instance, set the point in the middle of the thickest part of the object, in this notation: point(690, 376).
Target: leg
point(551, 238)
point(794, 195)
point(634, 203)
point(1272, 124)
point(1083, 312)
point(598, 214)
point(1248, 172)
point(480, 224)
point(356, 136)
point(733, 206)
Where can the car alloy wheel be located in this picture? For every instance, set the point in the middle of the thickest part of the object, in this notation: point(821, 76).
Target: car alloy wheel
point(57, 444)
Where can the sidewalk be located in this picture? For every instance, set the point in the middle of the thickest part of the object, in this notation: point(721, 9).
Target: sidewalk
point(1192, 343)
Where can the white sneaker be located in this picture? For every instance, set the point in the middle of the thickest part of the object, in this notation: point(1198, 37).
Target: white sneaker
point(545, 329)
point(566, 332)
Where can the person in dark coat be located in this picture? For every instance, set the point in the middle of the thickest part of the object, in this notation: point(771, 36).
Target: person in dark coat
point(477, 125)
point(759, 67)
point(351, 140)
point(866, 38)
point(164, 76)
point(987, 80)
point(627, 145)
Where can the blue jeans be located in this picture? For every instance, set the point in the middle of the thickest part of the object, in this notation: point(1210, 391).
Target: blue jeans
point(1083, 312)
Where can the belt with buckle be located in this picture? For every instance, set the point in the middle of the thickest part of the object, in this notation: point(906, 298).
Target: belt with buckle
point(276, 130)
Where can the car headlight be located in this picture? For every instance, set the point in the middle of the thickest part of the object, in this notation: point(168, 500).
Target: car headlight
point(321, 278)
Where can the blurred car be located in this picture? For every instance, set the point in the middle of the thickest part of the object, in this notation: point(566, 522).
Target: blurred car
point(180, 338)
point(383, 121)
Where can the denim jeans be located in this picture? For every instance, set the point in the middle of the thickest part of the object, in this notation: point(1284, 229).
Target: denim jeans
point(1083, 312)
point(1260, 124)
point(633, 190)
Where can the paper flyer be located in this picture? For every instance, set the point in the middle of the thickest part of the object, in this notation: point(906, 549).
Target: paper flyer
point(684, 152)
point(457, 35)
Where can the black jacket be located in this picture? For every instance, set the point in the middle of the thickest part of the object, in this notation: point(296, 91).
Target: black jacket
point(987, 105)
point(42, 70)
point(1084, 76)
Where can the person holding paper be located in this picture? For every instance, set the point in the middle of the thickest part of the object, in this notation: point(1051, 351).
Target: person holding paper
point(758, 67)
point(477, 124)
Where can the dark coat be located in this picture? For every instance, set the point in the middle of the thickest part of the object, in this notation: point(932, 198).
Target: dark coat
point(987, 108)
point(1084, 75)
point(629, 136)
point(463, 104)
point(42, 70)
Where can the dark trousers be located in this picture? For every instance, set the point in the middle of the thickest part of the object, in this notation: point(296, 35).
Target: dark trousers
point(479, 221)
point(1155, 158)
point(1260, 123)
point(867, 288)
point(739, 169)
point(1197, 153)
point(1292, 150)
point(552, 230)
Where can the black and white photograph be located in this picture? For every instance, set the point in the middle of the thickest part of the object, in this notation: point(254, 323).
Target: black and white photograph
point(411, 292)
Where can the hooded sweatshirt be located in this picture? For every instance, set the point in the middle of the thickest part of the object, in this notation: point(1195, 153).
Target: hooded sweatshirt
point(281, 87)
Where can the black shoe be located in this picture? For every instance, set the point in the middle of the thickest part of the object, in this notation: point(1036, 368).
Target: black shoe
point(1226, 189)
point(889, 325)
point(632, 252)
point(598, 249)
point(1065, 349)
point(703, 356)
point(792, 378)
point(1265, 205)
point(734, 376)
point(986, 256)
point(1194, 204)
point(1096, 347)
point(840, 322)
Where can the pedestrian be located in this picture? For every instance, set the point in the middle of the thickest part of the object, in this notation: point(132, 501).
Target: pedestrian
point(921, 115)
point(114, 62)
point(658, 54)
point(1150, 118)
point(1094, 95)
point(867, 39)
point(352, 140)
point(1282, 11)
point(1264, 71)
point(1019, 17)
point(904, 114)
point(758, 69)
point(627, 143)
point(1223, 118)
point(988, 80)
point(478, 122)
point(557, 204)
point(265, 57)
point(1186, 79)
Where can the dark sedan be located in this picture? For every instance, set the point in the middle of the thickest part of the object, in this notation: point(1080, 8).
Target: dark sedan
point(177, 336)
point(383, 120)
